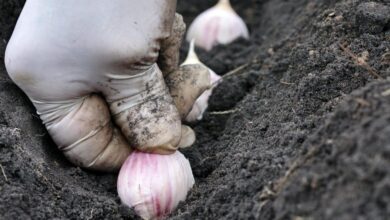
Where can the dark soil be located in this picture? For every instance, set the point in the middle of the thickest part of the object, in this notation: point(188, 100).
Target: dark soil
point(303, 132)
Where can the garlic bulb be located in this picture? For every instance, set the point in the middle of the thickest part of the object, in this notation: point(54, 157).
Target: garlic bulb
point(201, 103)
point(217, 25)
point(154, 184)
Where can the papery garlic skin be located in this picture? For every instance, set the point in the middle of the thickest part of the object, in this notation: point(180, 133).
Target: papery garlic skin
point(154, 184)
point(201, 103)
point(217, 25)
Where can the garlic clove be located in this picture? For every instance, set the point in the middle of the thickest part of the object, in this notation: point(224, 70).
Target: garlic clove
point(217, 25)
point(201, 103)
point(154, 184)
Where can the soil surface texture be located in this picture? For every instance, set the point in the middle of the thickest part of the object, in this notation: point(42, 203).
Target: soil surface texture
point(300, 131)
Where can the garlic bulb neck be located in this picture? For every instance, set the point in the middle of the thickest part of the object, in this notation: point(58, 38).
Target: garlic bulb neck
point(191, 58)
point(224, 4)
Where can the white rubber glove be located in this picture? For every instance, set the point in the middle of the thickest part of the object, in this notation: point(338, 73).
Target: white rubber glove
point(83, 63)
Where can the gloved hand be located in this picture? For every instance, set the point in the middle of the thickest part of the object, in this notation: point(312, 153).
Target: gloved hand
point(83, 63)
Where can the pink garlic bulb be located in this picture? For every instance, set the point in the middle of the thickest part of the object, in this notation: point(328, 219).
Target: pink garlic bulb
point(201, 103)
point(217, 25)
point(154, 184)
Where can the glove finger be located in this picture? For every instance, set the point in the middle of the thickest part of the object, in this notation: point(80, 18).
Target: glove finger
point(186, 84)
point(83, 131)
point(168, 59)
point(144, 110)
point(187, 137)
